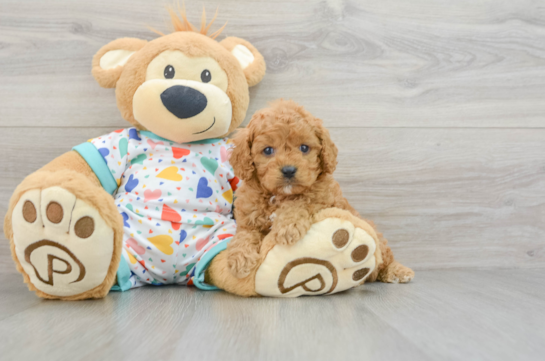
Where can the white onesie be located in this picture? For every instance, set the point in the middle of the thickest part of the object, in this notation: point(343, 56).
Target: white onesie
point(175, 199)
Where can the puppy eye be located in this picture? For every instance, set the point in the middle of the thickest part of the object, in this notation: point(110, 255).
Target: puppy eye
point(304, 148)
point(206, 76)
point(169, 72)
point(268, 151)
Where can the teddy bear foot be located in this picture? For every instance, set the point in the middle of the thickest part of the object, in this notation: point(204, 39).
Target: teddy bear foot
point(333, 256)
point(63, 245)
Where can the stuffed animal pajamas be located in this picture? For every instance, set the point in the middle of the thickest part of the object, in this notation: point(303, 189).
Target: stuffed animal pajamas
point(175, 199)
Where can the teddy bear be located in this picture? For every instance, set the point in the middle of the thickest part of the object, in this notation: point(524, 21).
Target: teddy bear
point(152, 204)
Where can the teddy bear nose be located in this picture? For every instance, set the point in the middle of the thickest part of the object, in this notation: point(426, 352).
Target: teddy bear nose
point(183, 101)
point(289, 171)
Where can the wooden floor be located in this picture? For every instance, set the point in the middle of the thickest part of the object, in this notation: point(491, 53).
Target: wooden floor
point(443, 315)
point(438, 110)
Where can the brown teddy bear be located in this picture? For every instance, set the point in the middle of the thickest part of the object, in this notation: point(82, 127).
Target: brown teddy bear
point(152, 204)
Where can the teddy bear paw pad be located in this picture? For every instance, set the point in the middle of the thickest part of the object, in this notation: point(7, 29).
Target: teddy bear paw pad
point(332, 257)
point(62, 243)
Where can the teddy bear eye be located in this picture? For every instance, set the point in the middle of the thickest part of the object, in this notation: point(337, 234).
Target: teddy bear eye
point(304, 148)
point(169, 72)
point(206, 76)
point(268, 151)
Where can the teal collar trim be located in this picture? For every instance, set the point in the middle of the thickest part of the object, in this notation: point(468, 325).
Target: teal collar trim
point(151, 135)
point(206, 141)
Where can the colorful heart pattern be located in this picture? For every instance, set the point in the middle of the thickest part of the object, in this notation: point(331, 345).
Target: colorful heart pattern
point(123, 147)
point(139, 159)
point(131, 183)
point(206, 222)
point(163, 243)
point(175, 201)
point(209, 164)
point(178, 153)
point(170, 215)
point(224, 155)
point(104, 152)
point(150, 195)
point(170, 173)
point(203, 190)
point(228, 195)
point(153, 144)
point(132, 243)
point(133, 134)
point(201, 243)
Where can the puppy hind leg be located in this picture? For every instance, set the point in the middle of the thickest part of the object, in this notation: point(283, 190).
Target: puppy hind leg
point(391, 271)
point(395, 272)
point(243, 253)
point(219, 275)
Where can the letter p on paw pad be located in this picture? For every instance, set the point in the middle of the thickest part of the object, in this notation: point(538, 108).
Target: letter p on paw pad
point(332, 257)
point(62, 243)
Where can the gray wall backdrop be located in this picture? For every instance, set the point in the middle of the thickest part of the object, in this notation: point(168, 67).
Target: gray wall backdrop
point(437, 107)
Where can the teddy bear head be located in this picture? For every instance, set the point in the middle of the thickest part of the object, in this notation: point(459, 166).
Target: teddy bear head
point(184, 86)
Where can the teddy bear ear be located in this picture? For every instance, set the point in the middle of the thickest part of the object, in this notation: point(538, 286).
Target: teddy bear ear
point(249, 58)
point(109, 61)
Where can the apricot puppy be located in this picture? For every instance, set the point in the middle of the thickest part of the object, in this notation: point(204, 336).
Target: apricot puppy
point(286, 159)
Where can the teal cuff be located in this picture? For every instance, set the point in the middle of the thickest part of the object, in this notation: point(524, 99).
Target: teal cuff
point(123, 276)
point(202, 265)
point(98, 164)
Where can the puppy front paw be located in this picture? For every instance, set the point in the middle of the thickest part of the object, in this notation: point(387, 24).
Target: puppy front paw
point(241, 262)
point(291, 232)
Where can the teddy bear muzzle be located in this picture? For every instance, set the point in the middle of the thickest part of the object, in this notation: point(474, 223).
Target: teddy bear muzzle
point(182, 110)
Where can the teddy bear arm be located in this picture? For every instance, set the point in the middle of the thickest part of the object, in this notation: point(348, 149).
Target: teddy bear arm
point(72, 161)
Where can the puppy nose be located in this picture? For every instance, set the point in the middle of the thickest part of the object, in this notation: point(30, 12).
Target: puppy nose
point(183, 101)
point(289, 171)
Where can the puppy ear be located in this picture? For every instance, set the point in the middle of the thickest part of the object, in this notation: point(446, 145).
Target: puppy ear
point(241, 157)
point(109, 61)
point(249, 58)
point(329, 151)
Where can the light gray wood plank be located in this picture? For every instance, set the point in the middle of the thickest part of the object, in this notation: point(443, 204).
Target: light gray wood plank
point(443, 197)
point(442, 315)
point(167, 322)
point(364, 63)
point(14, 295)
point(466, 314)
point(322, 329)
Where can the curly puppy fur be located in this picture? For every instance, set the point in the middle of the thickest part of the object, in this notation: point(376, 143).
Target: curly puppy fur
point(286, 160)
